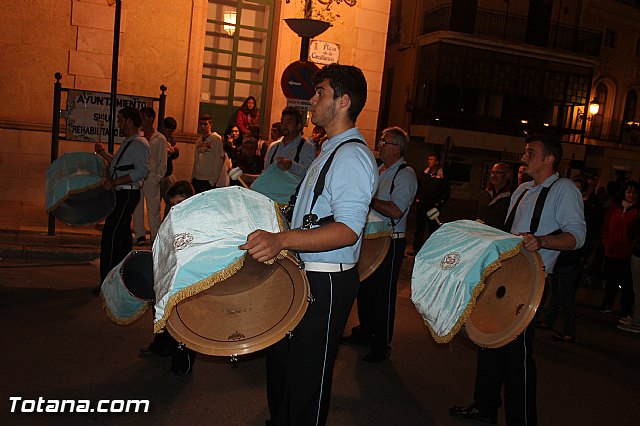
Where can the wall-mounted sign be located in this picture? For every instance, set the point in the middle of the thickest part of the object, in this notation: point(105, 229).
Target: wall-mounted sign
point(86, 110)
point(296, 80)
point(323, 52)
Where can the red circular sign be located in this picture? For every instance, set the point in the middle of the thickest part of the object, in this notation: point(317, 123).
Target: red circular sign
point(296, 80)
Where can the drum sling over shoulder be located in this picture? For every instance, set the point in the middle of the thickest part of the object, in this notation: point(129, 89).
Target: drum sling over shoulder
point(125, 167)
point(296, 159)
point(393, 186)
point(537, 211)
point(311, 219)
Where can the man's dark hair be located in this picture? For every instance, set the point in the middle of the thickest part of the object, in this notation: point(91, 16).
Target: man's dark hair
point(250, 141)
point(170, 123)
point(345, 80)
point(293, 112)
point(181, 187)
point(205, 117)
point(148, 111)
point(550, 146)
point(133, 114)
point(254, 131)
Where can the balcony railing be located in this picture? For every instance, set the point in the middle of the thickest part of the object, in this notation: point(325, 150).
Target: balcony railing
point(513, 28)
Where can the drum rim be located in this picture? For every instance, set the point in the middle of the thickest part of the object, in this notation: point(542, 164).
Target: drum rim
point(492, 340)
point(378, 260)
point(181, 332)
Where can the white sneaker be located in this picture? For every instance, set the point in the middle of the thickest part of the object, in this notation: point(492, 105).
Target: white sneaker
point(626, 320)
point(630, 328)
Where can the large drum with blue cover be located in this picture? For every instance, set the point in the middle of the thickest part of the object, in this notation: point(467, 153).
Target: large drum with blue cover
point(471, 275)
point(74, 189)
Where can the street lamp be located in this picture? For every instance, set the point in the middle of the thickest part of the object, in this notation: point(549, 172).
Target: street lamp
point(594, 107)
point(230, 22)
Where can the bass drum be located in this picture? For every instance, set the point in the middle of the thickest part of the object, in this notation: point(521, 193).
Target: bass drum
point(251, 310)
point(372, 253)
point(74, 191)
point(508, 302)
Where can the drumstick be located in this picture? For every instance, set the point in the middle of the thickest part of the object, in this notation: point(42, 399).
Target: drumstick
point(433, 214)
point(236, 174)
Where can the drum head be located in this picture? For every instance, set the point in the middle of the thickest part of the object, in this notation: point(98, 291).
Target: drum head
point(509, 301)
point(137, 275)
point(251, 310)
point(372, 254)
point(87, 207)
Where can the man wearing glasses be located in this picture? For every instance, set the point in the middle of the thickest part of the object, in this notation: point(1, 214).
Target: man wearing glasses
point(493, 202)
point(377, 294)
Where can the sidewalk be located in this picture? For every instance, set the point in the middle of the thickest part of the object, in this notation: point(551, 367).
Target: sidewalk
point(23, 234)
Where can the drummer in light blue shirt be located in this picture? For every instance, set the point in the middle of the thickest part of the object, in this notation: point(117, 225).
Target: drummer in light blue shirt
point(377, 295)
point(299, 367)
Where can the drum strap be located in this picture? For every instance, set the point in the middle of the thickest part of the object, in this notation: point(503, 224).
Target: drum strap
point(120, 154)
point(311, 219)
point(393, 186)
point(296, 159)
point(537, 210)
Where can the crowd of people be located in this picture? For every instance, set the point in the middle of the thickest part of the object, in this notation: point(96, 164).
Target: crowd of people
point(566, 221)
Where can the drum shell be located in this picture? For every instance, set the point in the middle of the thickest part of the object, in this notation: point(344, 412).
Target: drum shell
point(247, 312)
point(127, 291)
point(74, 189)
point(372, 253)
point(508, 302)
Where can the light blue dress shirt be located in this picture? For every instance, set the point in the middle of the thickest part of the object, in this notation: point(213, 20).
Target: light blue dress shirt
point(563, 209)
point(404, 191)
point(136, 154)
point(307, 155)
point(349, 186)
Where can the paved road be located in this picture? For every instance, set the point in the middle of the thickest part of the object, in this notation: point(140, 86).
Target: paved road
point(59, 344)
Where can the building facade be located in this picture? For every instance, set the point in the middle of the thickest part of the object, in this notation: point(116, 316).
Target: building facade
point(210, 55)
point(470, 78)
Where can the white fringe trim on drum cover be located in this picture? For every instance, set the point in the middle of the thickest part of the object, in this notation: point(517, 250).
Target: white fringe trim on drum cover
point(211, 280)
point(476, 292)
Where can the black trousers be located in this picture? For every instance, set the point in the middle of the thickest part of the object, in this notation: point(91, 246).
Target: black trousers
point(513, 366)
point(300, 367)
point(618, 274)
point(377, 299)
point(424, 227)
point(116, 240)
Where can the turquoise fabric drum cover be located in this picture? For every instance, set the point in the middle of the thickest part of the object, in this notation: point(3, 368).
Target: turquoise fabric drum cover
point(276, 184)
point(197, 244)
point(451, 269)
point(74, 191)
point(127, 291)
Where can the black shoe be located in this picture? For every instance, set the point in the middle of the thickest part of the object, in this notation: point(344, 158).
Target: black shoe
point(354, 340)
point(472, 413)
point(376, 357)
point(182, 361)
point(563, 338)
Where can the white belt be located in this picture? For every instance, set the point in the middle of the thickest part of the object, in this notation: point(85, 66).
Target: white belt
point(327, 267)
point(130, 187)
point(397, 235)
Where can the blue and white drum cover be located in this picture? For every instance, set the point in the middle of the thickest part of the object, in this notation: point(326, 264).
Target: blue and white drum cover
point(127, 291)
point(450, 272)
point(74, 190)
point(276, 184)
point(197, 244)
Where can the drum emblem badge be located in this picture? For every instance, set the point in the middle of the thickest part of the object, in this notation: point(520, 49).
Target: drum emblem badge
point(450, 260)
point(181, 241)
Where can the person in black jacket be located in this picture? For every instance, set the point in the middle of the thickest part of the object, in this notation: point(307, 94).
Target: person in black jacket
point(433, 192)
